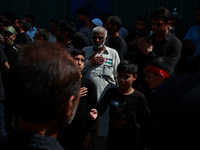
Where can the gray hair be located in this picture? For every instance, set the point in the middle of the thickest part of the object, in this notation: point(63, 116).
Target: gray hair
point(99, 29)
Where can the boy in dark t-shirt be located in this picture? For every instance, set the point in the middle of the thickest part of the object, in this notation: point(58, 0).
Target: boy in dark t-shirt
point(79, 133)
point(129, 113)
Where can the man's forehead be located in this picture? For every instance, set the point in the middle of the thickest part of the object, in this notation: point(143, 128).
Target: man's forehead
point(99, 33)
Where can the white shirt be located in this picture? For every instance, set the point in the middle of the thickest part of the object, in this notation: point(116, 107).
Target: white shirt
point(104, 77)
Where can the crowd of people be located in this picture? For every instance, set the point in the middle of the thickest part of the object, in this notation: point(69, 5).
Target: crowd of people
point(95, 86)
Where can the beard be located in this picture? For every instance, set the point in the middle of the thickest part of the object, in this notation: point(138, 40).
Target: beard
point(99, 44)
point(65, 119)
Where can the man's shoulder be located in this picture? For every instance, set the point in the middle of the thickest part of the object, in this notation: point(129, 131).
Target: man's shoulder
point(87, 48)
point(111, 50)
point(174, 38)
point(195, 27)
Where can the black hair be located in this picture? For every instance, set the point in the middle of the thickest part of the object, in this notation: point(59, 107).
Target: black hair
point(115, 20)
point(127, 66)
point(47, 76)
point(76, 52)
point(161, 62)
point(69, 27)
point(43, 33)
point(4, 20)
point(161, 14)
point(24, 23)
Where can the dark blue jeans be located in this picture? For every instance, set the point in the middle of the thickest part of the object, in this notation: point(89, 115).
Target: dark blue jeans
point(2, 123)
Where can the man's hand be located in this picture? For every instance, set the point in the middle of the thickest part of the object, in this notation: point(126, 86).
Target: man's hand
point(96, 60)
point(144, 46)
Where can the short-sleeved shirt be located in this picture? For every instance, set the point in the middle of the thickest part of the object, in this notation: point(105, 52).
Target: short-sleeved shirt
point(193, 35)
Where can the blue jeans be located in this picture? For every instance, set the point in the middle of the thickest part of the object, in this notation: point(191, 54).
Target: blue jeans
point(2, 123)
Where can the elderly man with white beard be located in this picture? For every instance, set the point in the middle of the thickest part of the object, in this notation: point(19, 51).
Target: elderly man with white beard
point(101, 67)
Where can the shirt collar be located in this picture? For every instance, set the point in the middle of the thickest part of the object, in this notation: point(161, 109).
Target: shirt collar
point(105, 51)
point(166, 38)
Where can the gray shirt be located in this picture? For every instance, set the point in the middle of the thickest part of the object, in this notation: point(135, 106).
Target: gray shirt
point(104, 77)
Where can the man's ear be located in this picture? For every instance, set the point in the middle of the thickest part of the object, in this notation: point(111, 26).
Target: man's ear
point(161, 77)
point(135, 77)
point(69, 105)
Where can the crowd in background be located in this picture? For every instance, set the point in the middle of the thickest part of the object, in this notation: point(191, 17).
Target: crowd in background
point(138, 90)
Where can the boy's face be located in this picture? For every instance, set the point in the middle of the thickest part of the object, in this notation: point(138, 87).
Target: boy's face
point(153, 80)
point(125, 80)
point(80, 61)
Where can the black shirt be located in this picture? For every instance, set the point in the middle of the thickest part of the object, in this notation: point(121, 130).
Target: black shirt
point(170, 47)
point(119, 44)
point(129, 119)
point(175, 113)
point(22, 39)
point(18, 139)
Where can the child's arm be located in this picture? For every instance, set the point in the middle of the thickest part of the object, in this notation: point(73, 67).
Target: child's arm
point(93, 114)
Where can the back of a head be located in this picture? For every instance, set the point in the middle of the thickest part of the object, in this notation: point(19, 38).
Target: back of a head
point(115, 20)
point(128, 67)
point(23, 22)
point(44, 79)
point(161, 14)
point(43, 33)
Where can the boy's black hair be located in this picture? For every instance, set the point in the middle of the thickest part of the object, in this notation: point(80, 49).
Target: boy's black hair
point(76, 52)
point(161, 62)
point(127, 66)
